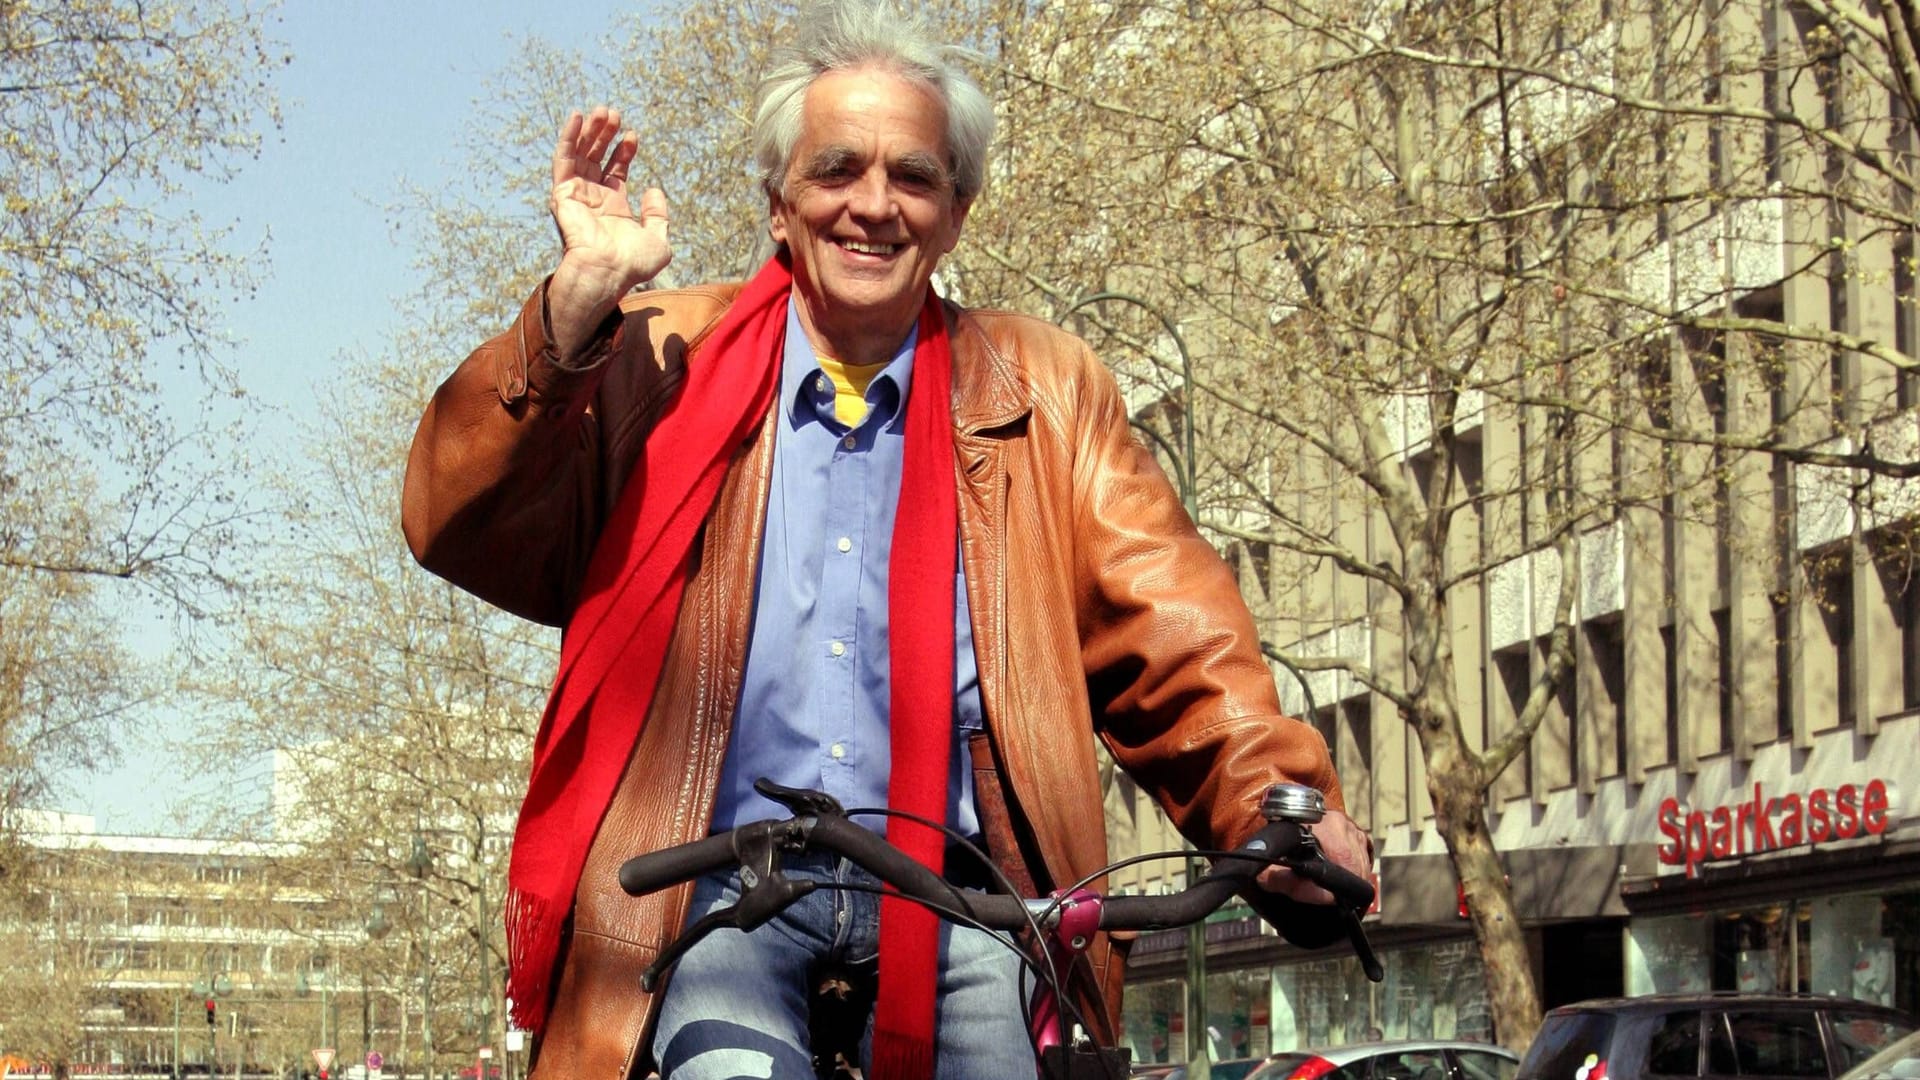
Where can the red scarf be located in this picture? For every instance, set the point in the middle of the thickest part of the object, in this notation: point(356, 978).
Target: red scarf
point(616, 642)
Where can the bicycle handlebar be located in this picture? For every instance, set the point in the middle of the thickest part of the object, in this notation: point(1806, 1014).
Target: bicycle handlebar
point(1283, 842)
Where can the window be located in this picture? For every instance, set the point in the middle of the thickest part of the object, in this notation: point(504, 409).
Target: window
point(1905, 340)
point(1771, 1044)
point(1835, 597)
point(1510, 667)
point(1608, 642)
point(1674, 1048)
point(1723, 642)
point(1670, 657)
point(1857, 1037)
point(1480, 1065)
point(1561, 1047)
point(1782, 664)
point(1906, 615)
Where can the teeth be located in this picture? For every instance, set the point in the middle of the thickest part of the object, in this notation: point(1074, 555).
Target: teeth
point(869, 249)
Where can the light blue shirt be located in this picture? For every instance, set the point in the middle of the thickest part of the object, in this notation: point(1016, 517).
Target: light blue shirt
point(816, 692)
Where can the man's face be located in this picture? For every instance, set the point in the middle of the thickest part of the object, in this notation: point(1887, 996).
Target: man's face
point(868, 208)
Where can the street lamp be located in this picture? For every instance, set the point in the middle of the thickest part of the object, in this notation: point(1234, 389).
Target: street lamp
point(376, 928)
point(419, 862)
point(309, 980)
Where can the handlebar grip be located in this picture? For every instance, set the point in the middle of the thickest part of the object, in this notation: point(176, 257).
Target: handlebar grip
point(1350, 890)
point(657, 870)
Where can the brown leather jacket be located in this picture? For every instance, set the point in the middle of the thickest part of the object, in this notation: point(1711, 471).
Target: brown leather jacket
point(1098, 612)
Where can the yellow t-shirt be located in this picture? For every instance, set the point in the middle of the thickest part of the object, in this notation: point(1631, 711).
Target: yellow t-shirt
point(850, 382)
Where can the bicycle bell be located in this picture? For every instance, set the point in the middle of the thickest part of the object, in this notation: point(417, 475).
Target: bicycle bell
point(1293, 802)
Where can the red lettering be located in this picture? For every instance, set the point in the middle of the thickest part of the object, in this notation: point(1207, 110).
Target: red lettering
point(1722, 832)
point(1819, 825)
point(1763, 821)
point(1791, 830)
point(1696, 841)
point(1873, 808)
point(1674, 852)
point(1847, 809)
point(1758, 824)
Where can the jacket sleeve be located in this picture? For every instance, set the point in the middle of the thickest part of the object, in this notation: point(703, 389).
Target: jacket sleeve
point(504, 480)
point(1181, 694)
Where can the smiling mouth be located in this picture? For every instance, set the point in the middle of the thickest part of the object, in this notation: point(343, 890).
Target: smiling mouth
point(864, 247)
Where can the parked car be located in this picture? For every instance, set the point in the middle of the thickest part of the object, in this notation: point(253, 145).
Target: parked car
point(1899, 1061)
point(1403, 1060)
point(1230, 1069)
point(1767, 1036)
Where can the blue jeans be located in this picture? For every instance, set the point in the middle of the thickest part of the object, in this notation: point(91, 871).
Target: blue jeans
point(736, 1004)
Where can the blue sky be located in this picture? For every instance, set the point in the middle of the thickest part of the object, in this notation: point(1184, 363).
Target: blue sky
point(376, 92)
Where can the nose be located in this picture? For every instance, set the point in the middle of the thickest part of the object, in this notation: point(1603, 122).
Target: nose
point(871, 198)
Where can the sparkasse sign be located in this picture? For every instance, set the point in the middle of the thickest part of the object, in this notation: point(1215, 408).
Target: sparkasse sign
point(1763, 824)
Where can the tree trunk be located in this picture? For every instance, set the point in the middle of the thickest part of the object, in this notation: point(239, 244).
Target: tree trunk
point(1460, 804)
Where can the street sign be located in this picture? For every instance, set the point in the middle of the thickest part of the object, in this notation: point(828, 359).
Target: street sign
point(486, 1052)
point(323, 1058)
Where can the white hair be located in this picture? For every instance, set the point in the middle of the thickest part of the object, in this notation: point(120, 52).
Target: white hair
point(844, 35)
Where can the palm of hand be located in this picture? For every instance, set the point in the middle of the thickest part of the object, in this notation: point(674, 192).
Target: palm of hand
point(601, 238)
point(597, 225)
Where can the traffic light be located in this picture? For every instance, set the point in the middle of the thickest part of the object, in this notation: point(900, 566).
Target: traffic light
point(209, 1014)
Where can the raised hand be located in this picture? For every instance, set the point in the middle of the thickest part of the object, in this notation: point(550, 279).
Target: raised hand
point(605, 249)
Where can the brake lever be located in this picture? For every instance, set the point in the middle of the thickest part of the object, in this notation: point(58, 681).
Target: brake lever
point(1305, 807)
point(764, 890)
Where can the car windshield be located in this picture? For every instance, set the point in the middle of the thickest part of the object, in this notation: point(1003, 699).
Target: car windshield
point(1568, 1046)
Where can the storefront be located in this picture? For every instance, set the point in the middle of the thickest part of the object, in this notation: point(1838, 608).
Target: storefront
point(1808, 882)
point(1263, 996)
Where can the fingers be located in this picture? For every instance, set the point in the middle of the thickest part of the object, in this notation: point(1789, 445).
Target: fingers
point(582, 149)
point(653, 206)
point(622, 157)
point(1343, 843)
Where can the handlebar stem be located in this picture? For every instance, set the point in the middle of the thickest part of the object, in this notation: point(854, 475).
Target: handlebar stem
point(1068, 936)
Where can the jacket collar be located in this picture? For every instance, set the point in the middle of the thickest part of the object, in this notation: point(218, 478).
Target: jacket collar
point(989, 390)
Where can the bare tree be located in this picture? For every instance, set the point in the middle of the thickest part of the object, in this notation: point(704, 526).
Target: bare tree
point(114, 114)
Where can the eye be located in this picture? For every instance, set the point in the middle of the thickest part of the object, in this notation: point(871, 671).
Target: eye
point(916, 179)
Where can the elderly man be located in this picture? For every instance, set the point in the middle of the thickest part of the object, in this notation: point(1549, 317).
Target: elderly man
point(829, 529)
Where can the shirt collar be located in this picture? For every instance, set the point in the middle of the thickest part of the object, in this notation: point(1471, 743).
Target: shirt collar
point(799, 367)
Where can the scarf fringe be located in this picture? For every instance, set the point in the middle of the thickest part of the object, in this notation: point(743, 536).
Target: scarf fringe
point(902, 1058)
point(533, 946)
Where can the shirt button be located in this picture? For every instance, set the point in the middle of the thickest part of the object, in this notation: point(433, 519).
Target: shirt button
point(847, 442)
point(820, 383)
point(845, 544)
point(838, 648)
point(838, 751)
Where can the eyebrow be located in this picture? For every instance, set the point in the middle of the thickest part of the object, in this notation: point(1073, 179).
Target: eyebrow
point(829, 160)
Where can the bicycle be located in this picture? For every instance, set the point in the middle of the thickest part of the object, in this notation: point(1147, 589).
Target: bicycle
point(1065, 921)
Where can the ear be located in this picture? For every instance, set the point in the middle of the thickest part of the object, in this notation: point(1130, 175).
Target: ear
point(959, 218)
point(776, 217)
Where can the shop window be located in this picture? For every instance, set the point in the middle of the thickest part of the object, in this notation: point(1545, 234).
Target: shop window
point(1762, 951)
